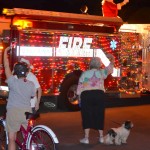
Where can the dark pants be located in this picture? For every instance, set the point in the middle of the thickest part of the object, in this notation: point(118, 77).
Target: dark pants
point(93, 109)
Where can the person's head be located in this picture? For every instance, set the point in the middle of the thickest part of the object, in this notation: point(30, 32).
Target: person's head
point(27, 62)
point(95, 63)
point(84, 9)
point(21, 69)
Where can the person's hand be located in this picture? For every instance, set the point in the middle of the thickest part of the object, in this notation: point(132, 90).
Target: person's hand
point(37, 106)
point(8, 48)
point(111, 58)
point(126, 1)
point(79, 101)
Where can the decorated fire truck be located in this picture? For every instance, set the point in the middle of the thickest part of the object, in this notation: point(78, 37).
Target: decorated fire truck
point(59, 46)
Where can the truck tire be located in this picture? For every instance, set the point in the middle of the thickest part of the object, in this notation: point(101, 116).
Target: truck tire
point(68, 99)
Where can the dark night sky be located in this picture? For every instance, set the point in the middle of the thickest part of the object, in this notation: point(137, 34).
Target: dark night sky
point(136, 11)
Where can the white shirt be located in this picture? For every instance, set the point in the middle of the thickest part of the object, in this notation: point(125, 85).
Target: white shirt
point(33, 78)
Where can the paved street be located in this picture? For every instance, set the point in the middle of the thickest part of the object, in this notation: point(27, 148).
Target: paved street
point(67, 126)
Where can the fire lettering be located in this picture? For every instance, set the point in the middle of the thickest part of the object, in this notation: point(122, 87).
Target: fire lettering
point(75, 42)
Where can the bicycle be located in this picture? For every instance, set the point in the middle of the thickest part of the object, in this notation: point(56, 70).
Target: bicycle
point(38, 137)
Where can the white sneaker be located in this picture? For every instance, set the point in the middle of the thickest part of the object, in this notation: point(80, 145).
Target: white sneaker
point(101, 139)
point(84, 141)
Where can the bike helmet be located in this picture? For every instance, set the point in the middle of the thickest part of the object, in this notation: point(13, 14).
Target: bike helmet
point(21, 69)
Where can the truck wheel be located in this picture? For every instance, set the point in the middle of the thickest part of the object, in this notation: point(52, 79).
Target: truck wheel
point(68, 99)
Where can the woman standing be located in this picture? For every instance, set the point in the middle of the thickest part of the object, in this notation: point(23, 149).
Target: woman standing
point(92, 97)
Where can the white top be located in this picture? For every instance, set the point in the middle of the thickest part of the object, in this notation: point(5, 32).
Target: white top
point(33, 78)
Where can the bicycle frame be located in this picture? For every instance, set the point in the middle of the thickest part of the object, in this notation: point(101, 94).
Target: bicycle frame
point(25, 133)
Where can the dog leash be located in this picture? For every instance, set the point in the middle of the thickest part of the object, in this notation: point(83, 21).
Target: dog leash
point(116, 122)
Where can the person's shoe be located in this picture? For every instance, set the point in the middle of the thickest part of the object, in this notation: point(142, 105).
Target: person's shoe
point(101, 139)
point(84, 141)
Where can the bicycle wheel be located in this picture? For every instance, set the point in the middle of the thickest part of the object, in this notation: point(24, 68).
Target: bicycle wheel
point(3, 140)
point(41, 139)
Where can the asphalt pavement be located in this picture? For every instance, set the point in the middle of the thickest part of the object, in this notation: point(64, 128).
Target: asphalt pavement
point(67, 127)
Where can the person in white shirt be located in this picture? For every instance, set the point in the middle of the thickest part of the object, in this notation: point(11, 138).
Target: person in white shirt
point(31, 77)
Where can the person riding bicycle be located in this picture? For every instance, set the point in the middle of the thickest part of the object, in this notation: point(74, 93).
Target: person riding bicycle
point(20, 93)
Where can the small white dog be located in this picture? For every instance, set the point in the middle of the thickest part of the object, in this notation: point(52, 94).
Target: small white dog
point(110, 137)
point(118, 135)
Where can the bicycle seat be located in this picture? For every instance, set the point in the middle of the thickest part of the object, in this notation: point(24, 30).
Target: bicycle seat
point(32, 116)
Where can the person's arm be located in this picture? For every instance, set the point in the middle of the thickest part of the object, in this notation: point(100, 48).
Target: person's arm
point(80, 88)
point(119, 5)
point(39, 94)
point(8, 72)
point(124, 2)
point(111, 65)
point(80, 84)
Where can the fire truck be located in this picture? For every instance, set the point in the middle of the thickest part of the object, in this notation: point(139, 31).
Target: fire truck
point(60, 45)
